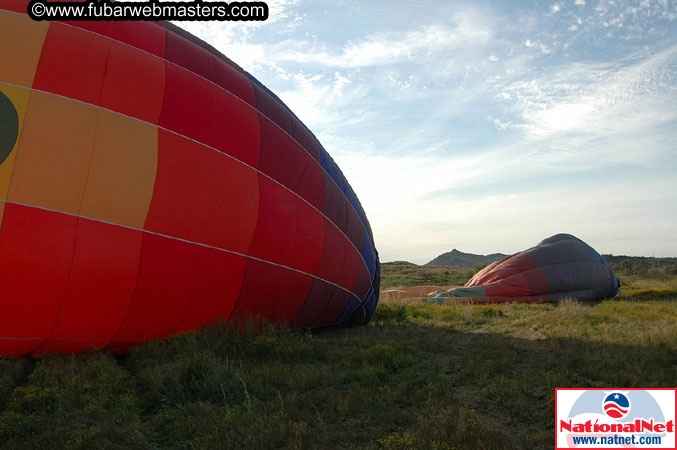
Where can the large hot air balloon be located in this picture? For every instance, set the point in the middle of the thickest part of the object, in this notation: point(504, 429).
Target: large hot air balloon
point(148, 186)
point(561, 266)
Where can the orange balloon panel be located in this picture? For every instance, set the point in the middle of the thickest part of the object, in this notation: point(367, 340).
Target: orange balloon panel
point(148, 186)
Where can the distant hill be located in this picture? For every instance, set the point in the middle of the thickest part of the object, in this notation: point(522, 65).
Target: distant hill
point(457, 258)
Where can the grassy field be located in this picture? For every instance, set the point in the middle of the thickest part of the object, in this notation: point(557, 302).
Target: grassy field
point(402, 274)
point(418, 376)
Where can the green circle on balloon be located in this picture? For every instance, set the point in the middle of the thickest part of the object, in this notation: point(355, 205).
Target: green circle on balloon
point(9, 127)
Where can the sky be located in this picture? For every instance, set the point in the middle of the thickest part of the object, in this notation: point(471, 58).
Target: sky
point(484, 126)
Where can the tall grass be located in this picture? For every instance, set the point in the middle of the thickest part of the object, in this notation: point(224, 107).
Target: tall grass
point(419, 376)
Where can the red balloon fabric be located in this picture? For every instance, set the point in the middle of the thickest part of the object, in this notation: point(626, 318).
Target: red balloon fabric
point(150, 186)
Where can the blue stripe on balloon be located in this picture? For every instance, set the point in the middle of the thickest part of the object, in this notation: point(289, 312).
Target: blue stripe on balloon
point(350, 308)
point(370, 303)
point(335, 174)
point(368, 254)
point(332, 170)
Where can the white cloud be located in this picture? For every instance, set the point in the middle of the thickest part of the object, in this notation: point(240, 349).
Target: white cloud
point(535, 44)
point(324, 102)
point(585, 117)
point(598, 98)
point(451, 130)
point(381, 49)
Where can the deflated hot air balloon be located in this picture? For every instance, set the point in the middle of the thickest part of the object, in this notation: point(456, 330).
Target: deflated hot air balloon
point(561, 266)
point(148, 186)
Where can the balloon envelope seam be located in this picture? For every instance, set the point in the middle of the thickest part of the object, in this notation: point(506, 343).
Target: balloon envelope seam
point(185, 241)
point(225, 90)
point(210, 148)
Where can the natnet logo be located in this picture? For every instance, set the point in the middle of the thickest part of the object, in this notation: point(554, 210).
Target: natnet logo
point(615, 418)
